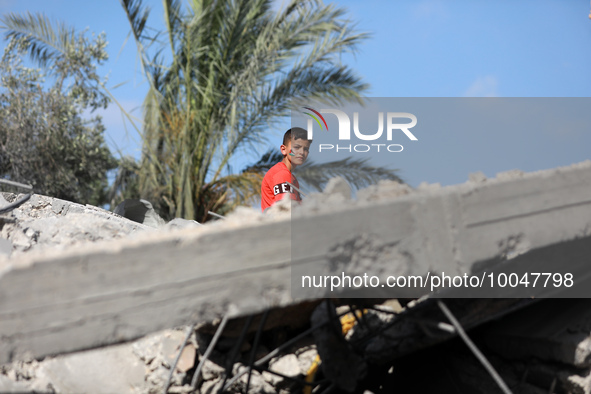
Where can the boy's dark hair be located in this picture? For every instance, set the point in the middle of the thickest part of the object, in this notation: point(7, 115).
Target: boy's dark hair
point(295, 133)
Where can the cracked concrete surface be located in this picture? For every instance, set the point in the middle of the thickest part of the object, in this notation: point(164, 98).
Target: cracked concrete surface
point(57, 299)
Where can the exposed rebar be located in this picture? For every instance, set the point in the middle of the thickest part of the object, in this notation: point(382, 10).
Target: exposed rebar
point(210, 348)
point(491, 370)
point(176, 360)
point(20, 201)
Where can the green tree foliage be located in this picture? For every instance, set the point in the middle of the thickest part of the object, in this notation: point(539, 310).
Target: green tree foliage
point(44, 138)
point(220, 75)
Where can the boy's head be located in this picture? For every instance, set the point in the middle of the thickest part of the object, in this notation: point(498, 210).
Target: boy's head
point(296, 146)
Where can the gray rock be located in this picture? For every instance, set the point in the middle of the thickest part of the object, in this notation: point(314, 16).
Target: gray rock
point(141, 211)
point(287, 365)
point(211, 370)
point(257, 382)
point(211, 386)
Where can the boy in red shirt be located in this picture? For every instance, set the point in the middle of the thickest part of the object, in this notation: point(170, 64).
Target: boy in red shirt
point(295, 149)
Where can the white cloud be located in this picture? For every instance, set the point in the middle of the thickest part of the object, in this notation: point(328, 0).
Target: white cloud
point(483, 87)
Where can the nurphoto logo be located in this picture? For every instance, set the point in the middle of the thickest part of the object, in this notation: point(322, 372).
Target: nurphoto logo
point(394, 126)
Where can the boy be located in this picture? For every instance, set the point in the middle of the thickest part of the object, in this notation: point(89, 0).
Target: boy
point(295, 149)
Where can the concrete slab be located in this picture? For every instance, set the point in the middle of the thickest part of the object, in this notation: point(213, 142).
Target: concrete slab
point(92, 295)
point(110, 370)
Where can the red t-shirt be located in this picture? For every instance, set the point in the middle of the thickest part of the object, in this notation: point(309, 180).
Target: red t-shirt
point(275, 185)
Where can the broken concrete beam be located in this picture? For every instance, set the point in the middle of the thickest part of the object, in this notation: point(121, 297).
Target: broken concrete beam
point(552, 330)
point(470, 228)
point(111, 292)
point(59, 301)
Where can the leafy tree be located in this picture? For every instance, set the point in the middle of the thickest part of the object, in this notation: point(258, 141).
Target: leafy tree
point(220, 75)
point(44, 138)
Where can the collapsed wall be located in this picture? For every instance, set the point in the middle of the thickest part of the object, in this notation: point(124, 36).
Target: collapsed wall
point(131, 280)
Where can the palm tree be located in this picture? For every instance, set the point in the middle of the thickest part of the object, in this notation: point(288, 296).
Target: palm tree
point(225, 72)
point(221, 74)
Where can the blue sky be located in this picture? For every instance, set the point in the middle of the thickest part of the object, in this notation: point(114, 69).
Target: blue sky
point(430, 48)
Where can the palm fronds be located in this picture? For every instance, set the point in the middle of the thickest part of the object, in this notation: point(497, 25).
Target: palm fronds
point(315, 175)
point(44, 40)
point(235, 67)
point(355, 171)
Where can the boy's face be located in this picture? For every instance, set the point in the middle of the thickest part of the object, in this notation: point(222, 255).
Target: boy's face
point(297, 151)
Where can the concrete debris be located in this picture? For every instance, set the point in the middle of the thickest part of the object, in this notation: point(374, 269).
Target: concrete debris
point(306, 357)
point(384, 190)
point(144, 365)
point(135, 279)
point(179, 223)
point(187, 358)
point(141, 367)
point(158, 353)
point(287, 365)
point(186, 389)
point(212, 386)
point(50, 223)
point(428, 187)
point(338, 185)
point(45, 222)
point(477, 177)
point(113, 369)
point(509, 175)
point(321, 202)
point(257, 384)
point(211, 370)
point(281, 209)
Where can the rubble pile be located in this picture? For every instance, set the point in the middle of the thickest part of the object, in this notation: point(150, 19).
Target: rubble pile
point(327, 350)
point(346, 345)
point(45, 222)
